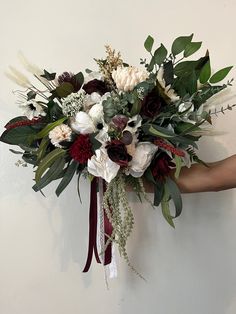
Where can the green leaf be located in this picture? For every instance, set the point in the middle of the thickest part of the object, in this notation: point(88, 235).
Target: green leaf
point(151, 64)
point(220, 75)
point(64, 89)
point(78, 190)
point(168, 74)
point(180, 44)
point(186, 67)
point(79, 78)
point(175, 195)
point(166, 208)
point(149, 43)
point(158, 193)
point(178, 163)
point(49, 76)
point(191, 48)
point(18, 136)
point(42, 148)
point(136, 107)
point(157, 131)
point(47, 162)
point(183, 128)
point(52, 174)
point(160, 54)
point(205, 73)
point(44, 132)
point(69, 173)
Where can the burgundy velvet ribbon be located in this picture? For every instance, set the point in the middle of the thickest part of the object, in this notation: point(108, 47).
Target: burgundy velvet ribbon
point(92, 226)
point(107, 234)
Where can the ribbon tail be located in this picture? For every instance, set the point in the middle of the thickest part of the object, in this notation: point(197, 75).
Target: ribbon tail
point(92, 227)
point(107, 236)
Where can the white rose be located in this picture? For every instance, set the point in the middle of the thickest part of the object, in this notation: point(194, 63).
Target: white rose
point(100, 165)
point(142, 158)
point(96, 113)
point(126, 78)
point(82, 123)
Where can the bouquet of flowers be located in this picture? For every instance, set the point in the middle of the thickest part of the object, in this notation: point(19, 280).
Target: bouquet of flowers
point(120, 126)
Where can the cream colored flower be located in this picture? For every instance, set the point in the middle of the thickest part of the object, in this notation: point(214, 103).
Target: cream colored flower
point(168, 91)
point(96, 113)
point(82, 123)
point(32, 109)
point(59, 134)
point(126, 78)
point(142, 158)
point(100, 165)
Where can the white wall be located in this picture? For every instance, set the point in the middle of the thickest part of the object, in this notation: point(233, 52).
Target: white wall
point(43, 241)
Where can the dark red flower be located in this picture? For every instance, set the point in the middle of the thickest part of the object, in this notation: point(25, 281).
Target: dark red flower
point(95, 86)
point(161, 167)
point(81, 149)
point(117, 152)
point(67, 77)
point(151, 104)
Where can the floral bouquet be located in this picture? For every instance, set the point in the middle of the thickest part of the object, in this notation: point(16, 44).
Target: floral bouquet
point(120, 127)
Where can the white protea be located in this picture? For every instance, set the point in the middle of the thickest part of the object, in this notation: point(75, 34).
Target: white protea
point(169, 92)
point(73, 103)
point(32, 109)
point(60, 134)
point(126, 78)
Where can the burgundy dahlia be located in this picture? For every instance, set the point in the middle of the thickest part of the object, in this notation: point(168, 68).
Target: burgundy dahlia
point(95, 86)
point(161, 167)
point(117, 152)
point(67, 77)
point(151, 104)
point(81, 149)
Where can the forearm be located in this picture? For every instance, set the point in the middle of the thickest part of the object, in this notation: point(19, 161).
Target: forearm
point(217, 176)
